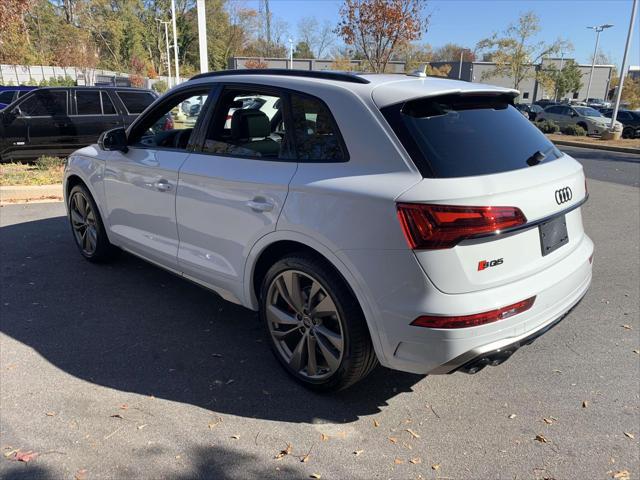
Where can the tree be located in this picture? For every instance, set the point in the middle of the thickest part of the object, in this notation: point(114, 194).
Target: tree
point(450, 52)
point(378, 27)
point(319, 38)
point(15, 42)
point(303, 51)
point(516, 51)
point(561, 81)
point(441, 71)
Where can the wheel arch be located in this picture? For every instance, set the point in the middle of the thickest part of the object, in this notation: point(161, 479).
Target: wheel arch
point(273, 246)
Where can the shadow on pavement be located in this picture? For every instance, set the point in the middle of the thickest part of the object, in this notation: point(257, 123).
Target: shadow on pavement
point(135, 328)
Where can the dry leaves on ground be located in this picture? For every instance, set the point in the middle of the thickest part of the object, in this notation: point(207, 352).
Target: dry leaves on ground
point(358, 452)
point(393, 439)
point(285, 452)
point(81, 474)
point(316, 476)
point(25, 457)
point(324, 437)
point(235, 437)
point(541, 438)
point(216, 421)
point(398, 461)
point(622, 475)
point(585, 403)
point(435, 466)
point(376, 423)
point(412, 433)
point(629, 434)
point(513, 415)
point(50, 414)
point(415, 461)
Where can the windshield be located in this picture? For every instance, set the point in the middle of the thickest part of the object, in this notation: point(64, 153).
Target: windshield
point(587, 111)
point(467, 135)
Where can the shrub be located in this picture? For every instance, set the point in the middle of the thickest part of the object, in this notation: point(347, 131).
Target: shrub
point(548, 126)
point(160, 86)
point(576, 130)
point(46, 162)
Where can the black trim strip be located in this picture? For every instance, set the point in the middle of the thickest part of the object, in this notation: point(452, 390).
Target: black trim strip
point(326, 75)
point(533, 223)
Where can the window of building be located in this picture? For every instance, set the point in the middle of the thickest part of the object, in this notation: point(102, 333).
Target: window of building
point(525, 95)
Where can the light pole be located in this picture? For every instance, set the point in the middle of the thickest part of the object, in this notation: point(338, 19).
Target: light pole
point(202, 37)
point(175, 40)
point(634, 9)
point(166, 41)
point(290, 54)
point(598, 29)
point(462, 50)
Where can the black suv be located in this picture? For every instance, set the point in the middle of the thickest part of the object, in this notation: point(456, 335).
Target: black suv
point(630, 121)
point(58, 120)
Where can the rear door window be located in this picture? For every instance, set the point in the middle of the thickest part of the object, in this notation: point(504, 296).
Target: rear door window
point(135, 102)
point(45, 103)
point(107, 104)
point(468, 135)
point(88, 102)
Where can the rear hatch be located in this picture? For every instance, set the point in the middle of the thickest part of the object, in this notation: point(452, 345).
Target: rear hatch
point(499, 202)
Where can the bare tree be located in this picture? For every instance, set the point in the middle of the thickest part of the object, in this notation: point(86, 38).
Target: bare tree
point(319, 38)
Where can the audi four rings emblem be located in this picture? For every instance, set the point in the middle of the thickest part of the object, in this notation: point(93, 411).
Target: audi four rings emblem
point(563, 195)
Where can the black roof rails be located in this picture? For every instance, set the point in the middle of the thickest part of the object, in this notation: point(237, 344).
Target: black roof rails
point(325, 74)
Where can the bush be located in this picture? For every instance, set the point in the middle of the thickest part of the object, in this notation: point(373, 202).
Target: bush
point(576, 130)
point(548, 126)
point(160, 86)
point(47, 163)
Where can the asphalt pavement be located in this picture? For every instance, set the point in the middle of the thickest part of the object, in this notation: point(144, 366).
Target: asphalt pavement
point(125, 371)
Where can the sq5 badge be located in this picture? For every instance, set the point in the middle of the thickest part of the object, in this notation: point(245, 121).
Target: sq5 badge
point(484, 264)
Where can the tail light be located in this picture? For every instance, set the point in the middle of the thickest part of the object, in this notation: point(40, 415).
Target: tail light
point(438, 321)
point(431, 226)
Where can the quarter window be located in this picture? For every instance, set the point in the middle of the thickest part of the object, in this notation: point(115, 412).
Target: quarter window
point(107, 104)
point(45, 103)
point(6, 96)
point(135, 102)
point(315, 131)
point(88, 102)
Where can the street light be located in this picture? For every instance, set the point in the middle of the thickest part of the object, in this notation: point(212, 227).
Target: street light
point(166, 39)
point(290, 54)
point(598, 29)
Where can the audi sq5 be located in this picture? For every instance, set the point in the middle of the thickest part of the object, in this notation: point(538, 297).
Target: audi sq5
point(419, 223)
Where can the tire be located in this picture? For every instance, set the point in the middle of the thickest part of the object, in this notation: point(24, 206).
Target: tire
point(337, 334)
point(87, 228)
point(628, 133)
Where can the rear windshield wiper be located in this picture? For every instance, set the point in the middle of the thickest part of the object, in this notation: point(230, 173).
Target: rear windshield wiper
point(536, 158)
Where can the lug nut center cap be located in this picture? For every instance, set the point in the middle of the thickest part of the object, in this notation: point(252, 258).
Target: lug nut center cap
point(307, 321)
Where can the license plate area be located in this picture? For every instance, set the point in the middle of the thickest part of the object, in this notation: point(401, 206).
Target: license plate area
point(553, 234)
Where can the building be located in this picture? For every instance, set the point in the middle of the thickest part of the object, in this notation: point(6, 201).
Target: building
point(530, 89)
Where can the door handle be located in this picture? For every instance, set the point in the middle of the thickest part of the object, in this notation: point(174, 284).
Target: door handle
point(260, 204)
point(163, 185)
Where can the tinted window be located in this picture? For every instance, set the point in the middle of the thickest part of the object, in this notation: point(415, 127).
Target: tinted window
point(45, 103)
point(6, 96)
point(315, 131)
point(107, 105)
point(88, 102)
point(135, 102)
point(555, 110)
point(247, 123)
point(587, 111)
point(460, 136)
point(166, 126)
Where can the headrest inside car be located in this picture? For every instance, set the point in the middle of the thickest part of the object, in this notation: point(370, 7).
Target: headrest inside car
point(250, 124)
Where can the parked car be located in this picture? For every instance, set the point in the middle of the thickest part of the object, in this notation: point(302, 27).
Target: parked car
point(59, 120)
point(544, 103)
point(530, 111)
point(423, 224)
point(597, 103)
point(9, 94)
point(630, 121)
point(586, 117)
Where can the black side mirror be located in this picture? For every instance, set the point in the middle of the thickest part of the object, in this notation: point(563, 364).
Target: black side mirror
point(114, 140)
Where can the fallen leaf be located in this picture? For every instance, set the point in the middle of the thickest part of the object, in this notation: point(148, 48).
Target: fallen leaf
point(636, 351)
point(304, 458)
point(630, 435)
point(435, 466)
point(412, 433)
point(50, 414)
point(178, 457)
point(557, 371)
point(585, 404)
point(81, 474)
point(393, 439)
point(11, 453)
point(284, 453)
point(548, 421)
point(124, 406)
point(117, 415)
point(376, 423)
point(358, 452)
point(622, 475)
point(140, 427)
point(215, 422)
point(235, 437)
point(513, 415)
point(398, 461)
point(25, 457)
point(541, 438)
point(415, 461)
point(230, 381)
point(315, 475)
point(324, 437)
point(627, 327)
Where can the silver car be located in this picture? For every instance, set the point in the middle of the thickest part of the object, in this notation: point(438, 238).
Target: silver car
point(586, 117)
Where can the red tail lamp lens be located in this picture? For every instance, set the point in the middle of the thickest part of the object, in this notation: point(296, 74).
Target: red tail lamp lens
point(430, 226)
point(463, 321)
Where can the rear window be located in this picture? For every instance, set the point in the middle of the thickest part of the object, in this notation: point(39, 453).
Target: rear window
point(467, 135)
point(135, 102)
point(6, 96)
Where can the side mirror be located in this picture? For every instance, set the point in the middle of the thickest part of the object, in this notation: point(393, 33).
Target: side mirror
point(114, 140)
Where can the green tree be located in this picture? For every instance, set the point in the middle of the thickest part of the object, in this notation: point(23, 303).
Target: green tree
point(515, 51)
point(303, 50)
point(560, 82)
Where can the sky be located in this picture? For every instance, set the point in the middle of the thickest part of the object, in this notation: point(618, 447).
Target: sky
point(467, 21)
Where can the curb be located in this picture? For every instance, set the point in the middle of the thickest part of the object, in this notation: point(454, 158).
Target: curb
point(31, 193)
point(595, 146)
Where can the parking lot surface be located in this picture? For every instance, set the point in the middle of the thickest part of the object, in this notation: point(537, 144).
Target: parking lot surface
point(125, 371)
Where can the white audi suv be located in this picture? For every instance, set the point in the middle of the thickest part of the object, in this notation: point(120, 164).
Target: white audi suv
point(416, 222)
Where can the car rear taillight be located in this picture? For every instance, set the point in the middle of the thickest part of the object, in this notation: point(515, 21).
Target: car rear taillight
point(432, 226)
point(462, 321)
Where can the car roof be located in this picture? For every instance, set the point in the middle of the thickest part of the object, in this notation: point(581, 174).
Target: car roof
point(384, 89)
